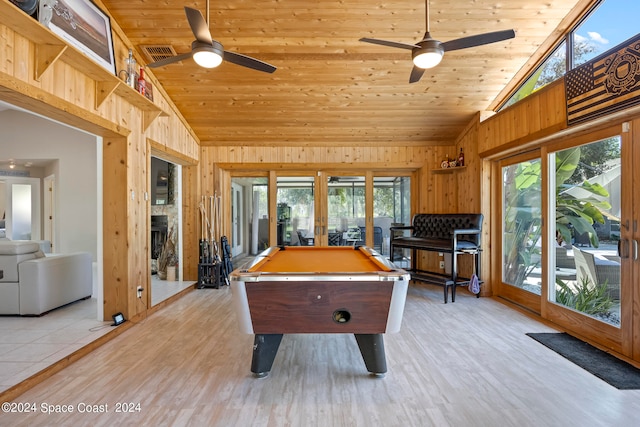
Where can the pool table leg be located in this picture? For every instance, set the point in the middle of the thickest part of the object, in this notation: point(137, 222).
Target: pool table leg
point(372, 350)
point(265, 348)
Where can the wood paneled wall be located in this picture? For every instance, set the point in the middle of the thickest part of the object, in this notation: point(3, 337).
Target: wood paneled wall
point(519, 127)
point(362, 157)
point(66, 91)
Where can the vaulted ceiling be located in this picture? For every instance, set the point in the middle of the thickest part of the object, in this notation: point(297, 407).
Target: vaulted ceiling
point(330, 88)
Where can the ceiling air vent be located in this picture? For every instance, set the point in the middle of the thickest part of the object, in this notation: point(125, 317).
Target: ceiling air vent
point(157, 52)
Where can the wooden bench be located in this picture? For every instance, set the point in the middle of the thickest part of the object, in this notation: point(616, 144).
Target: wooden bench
point(453, 234)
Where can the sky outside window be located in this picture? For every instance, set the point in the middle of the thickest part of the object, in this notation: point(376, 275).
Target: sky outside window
point(613, 22)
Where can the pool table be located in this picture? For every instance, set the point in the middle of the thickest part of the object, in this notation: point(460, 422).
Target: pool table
point(319, 290)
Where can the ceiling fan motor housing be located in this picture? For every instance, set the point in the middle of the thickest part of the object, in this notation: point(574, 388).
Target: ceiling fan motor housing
point(215, 47)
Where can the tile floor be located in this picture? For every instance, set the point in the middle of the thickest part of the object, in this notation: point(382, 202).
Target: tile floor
point(30, 344)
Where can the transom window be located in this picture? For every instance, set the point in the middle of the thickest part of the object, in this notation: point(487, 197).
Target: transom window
point(609, 23)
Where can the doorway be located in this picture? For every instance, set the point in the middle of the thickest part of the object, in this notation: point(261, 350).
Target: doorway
point(165, 223)
point(250, 215)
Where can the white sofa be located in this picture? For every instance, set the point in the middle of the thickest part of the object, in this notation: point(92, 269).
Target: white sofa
point(33, 284)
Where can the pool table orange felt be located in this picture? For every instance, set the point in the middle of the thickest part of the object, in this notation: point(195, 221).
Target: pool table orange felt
point(319, 259)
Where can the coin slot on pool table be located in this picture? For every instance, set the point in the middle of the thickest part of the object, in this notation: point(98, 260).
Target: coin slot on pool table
point(341, 316)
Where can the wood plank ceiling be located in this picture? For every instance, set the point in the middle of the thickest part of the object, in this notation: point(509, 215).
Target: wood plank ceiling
point(330, 89)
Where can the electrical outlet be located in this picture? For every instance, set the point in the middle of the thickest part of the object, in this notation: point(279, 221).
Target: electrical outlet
point(441, 265)
point(139, 291)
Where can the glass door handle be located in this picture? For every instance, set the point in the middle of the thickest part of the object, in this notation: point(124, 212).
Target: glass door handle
point(635, 249)
point(624, 249)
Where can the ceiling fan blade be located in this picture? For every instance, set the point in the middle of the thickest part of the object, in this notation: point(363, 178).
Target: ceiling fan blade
point(247, 61)
point(170, 60)
point(198, 25)
point(389, 43)
point(478, 40)
point(416, 74)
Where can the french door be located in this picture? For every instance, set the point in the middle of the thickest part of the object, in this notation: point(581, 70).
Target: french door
point(345, 210)
point(318, 208)
point(338, 208)
point(296, 218)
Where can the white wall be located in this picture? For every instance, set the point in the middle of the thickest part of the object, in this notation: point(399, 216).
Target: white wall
point(25, 136)
point(2, 195)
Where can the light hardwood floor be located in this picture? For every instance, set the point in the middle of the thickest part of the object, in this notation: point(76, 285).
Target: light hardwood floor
point(467, 363)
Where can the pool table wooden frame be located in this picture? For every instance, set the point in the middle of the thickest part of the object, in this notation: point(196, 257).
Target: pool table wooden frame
point(301, 289)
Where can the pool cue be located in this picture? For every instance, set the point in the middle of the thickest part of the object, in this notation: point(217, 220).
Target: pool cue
point(212, 242)
point(224, 259)
point(205, 224)
point(202, 239)
point(215, 226)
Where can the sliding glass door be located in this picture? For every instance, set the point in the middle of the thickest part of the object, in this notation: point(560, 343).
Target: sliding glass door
point(566, 235)
point(586, 271)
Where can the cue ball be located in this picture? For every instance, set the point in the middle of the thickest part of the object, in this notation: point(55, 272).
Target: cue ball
point(319, 297)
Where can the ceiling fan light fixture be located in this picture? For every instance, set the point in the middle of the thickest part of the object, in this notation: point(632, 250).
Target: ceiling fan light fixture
point(207, 56)
point(428, 54)
point(427, 59)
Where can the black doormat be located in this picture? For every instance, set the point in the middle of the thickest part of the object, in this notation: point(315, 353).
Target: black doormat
point(603, 365)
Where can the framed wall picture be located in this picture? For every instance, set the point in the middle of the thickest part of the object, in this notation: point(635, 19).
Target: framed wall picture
point(84, 26)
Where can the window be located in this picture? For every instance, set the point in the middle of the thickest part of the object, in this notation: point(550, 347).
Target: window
point(552, 69)
point(608, 24)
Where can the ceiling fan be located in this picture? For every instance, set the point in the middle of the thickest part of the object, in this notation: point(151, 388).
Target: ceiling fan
point(209, 53)
point(428, 52)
